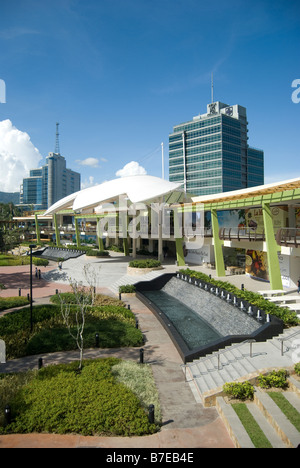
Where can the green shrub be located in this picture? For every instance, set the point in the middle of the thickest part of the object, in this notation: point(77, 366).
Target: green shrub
point(139, 378)
point(149, 263)
point(127, 288)
point(239, 390)
point(37, 261)
point(97, 253)
point(10, 302)
point(60, 400)
point(275, 379)
point(297, 368)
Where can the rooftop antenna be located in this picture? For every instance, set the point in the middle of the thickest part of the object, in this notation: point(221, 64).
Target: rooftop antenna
point(212, 87)
point(57, 151)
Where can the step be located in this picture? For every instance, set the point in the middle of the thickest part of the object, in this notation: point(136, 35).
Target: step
point(288, 433)
point(266, 427)
point(233, 424)
point(294, 400)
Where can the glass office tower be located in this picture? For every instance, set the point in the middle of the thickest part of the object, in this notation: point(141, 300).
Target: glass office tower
point(49, 183)
point(210, 154)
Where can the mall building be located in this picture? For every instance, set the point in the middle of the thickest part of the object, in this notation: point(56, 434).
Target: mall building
point(253, 230)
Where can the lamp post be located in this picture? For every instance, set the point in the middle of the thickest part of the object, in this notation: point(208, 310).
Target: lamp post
point(32, 246)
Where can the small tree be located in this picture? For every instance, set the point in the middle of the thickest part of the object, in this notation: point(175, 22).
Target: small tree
point(74, 315)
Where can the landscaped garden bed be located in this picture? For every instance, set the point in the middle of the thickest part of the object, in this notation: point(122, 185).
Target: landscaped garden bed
point(95, 401)
point(114, 324)
point(89, 397)
point(141, 267)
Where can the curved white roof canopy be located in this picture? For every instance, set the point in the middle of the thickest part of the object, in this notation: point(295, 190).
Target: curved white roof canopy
point(138, 188)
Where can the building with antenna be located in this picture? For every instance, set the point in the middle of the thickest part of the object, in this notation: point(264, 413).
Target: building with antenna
point(210, 154)
point(49, 183)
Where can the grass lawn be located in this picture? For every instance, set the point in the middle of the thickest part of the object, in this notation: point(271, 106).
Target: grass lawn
point(254, 431)
point(286, 408)
point(95, 401)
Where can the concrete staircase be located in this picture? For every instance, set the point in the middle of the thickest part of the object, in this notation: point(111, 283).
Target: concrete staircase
point(236, 363)
point(279, 431)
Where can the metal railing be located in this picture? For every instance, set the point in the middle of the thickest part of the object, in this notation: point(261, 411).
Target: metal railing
point(289, 237)
point(218, 354)
point(287, 338)
point(242, 233)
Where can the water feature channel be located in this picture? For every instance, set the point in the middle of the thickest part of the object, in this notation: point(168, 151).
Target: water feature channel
point(198, 321)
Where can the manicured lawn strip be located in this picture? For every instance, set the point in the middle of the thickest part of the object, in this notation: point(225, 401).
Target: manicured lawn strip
point(253, 429)
point(59, 399)
point(290, 412)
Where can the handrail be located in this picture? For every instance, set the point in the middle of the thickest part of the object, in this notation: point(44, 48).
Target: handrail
point(218, 354)
point(241, 233)
point(287, 338)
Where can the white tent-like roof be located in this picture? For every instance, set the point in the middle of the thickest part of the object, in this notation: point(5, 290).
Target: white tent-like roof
point(138, 188)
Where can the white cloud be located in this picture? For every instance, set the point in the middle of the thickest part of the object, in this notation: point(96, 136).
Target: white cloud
point(17, 156)
point(130, 169)
point(91, 162)
point(90, 182)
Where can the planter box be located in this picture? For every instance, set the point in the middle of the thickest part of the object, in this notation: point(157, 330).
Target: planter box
point(141, 271)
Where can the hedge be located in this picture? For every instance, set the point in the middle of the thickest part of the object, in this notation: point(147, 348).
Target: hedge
point(145, 263)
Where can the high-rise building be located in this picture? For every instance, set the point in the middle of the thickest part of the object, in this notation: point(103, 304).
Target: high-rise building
point(210, 154)
point(50, 183)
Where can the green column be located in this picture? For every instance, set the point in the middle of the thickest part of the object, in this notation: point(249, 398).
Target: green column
point(99, 236)
point(219, 259)
point(178, 240)
point(125, 246)
point(57, 235)
point(37, 229)
point(77, 233)
point(272, 248)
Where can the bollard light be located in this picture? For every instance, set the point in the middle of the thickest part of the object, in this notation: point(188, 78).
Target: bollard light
point(40, 363)
point(151, 414)
point(141, 356)
point(7, 414)
point(97, 340)
point(136, 323)
point(128, 306)
point(20, 290)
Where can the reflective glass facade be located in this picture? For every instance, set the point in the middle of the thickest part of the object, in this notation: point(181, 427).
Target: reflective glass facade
point(49, 184)
point(210, 154)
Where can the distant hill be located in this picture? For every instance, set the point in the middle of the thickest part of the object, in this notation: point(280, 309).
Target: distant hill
point(10, 197)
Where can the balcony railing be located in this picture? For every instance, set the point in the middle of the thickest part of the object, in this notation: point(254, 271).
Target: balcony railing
point(289, 237)
point(241, 233)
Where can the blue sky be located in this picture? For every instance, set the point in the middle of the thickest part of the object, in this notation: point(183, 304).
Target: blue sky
point(119, 74)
